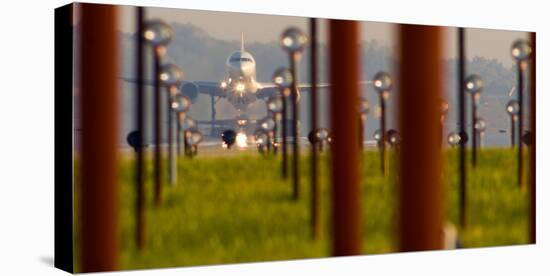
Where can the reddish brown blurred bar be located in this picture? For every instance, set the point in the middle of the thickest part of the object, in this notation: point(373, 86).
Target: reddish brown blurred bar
point(420, 209)
point(315, 225)
point(344, 99)
point(140, 113)
point(98, 250)
point(533, 152)
point(64, 111)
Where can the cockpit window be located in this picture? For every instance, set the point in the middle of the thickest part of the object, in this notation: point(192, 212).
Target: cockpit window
point(237, 59)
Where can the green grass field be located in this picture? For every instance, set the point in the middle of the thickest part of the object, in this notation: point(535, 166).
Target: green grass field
point(237, 209)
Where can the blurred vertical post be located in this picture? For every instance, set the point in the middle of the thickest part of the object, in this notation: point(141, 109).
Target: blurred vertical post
point(533, 142)
point(361, 131)
point(315, 227)
point(520, 124)
point(170, 132)
point(212, 114)
point(140, 216)
point(295, 144)
point(172, 173)
point(178, 133)
point(283, 138)
point(474, 136)
point(513, 130)
point(382, 133)
point(462, 128)
point(99, 105)
point(420, 189)
point(158, 129)
point(344, 99)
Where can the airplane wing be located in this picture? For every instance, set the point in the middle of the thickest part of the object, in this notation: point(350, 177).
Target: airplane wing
point(222, 122)
point(206, 87)
point(269, 89)
point(202, 87)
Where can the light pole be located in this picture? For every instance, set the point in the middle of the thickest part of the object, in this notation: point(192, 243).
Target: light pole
point(261, 137)
point(314, 187)
point(377, 135)
point(480, 127)
point(462, 133)
point(363, 111)
point(383, 84)
point(293, 41)
point(268, 125)
point(186, 124)
point(444, 112)
point(453, 139)
point(473, 85)
point(158, 34)
point(171, 77)
point(140, 123)
point(275, 107)
point(283, 79)
point(394, 138)
point(521, 52)
point(318, 137)
point(512, 108)
point(193, 137)
point(228, 137)
point(180, 106)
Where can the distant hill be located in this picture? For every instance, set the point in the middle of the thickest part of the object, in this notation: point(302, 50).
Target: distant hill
point(203, 58)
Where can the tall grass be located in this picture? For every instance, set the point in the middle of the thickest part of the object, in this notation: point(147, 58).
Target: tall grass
point(238, 209)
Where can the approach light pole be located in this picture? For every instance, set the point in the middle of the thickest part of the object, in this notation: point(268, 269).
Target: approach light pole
point(521, 52)
point(377, 135)
point(193, 138)
point(261, 137)
point(157, 34)
point(512, 108)
point(283, 79)
point(275, 107)
point(461, 120)
point(394, 138)
point(363, 111)
point(229, 137)
point(293, 41)
point(453, 139)
point(268, 125)
point(480, 126)
point(473, 85)
point(180, 106)
point(140, 123)
point(444, 112)
point(187, 124)
point(314, 214)
point(383, 84)
point(318, 138)
point(171, 77)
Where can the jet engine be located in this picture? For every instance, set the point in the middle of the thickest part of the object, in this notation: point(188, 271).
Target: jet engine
point(191, 91)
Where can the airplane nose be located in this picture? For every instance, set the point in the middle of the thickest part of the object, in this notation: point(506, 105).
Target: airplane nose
point(245, 68)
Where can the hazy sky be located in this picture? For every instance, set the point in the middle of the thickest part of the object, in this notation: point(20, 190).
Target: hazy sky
point(264, 28)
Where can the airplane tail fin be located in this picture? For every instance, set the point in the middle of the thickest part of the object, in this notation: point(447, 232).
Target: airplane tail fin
point(242, 41)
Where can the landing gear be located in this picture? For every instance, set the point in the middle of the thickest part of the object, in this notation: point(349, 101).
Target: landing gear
point(213, 115)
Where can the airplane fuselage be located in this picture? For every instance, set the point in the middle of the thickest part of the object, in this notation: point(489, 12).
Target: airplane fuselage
point(239, 83)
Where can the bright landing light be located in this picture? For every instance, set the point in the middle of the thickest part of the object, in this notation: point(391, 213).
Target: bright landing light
point(241, 140)
point(240, 87)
